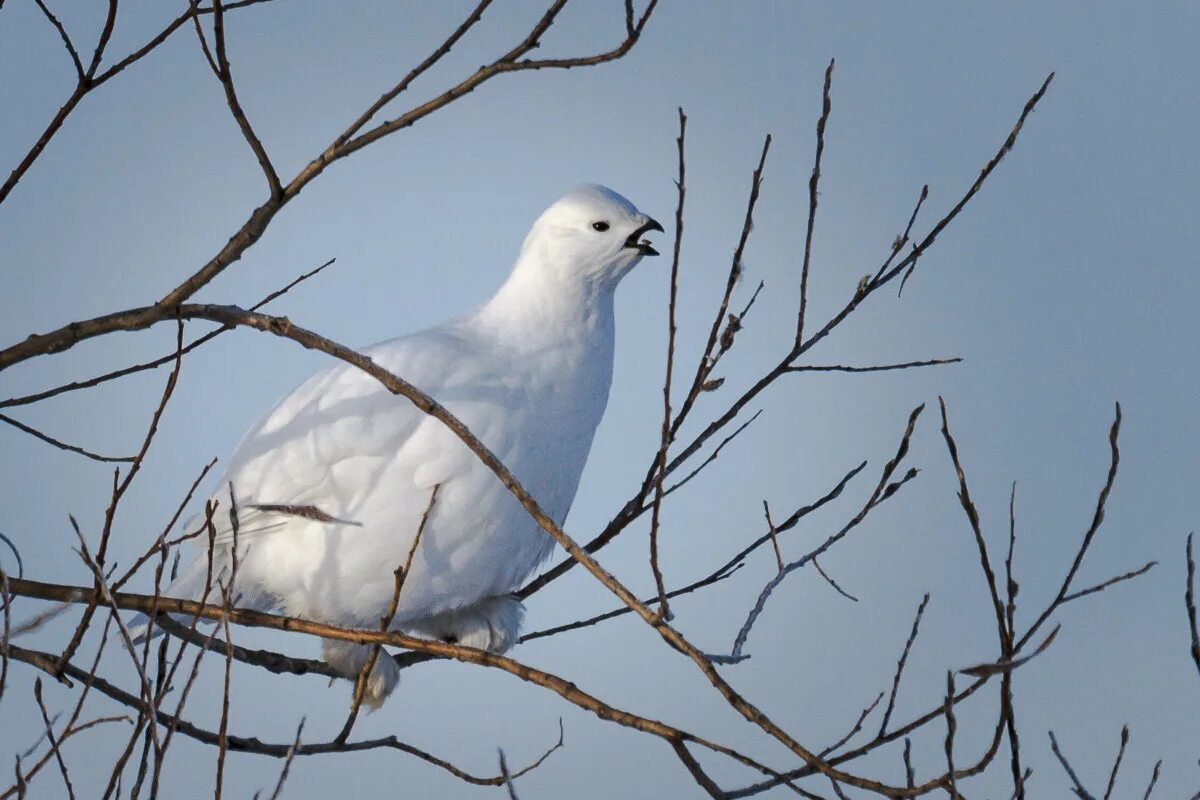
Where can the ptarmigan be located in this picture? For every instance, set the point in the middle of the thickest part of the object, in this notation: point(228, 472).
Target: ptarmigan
point(332, 484)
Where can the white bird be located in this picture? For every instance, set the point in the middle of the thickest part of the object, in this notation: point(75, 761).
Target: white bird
point(332, 484)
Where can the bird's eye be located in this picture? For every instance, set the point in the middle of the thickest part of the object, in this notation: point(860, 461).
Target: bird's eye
point(600, 226)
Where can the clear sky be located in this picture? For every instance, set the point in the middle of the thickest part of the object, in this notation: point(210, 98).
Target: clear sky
point(1069, 283)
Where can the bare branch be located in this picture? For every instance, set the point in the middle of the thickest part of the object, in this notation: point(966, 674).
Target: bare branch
point(883, 490)
point(1112, 776)
point(55, 744)
point(1189, 599)
point(66, 40)
point(951, 727)
point(1153, 779)
point(932, 362)
point(964, 497)
point(666, 435)
point(858, 724)
point(813, 182)
point(63, 445)
point(1099, 587)
point(912, 637)
point(1004, 667)
point(1078, 789)
point(1097, 518)
point(225, 76)
point(385, 622)
point(287, 762)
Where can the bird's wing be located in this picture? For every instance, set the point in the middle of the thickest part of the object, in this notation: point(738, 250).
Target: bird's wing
point(343, 451)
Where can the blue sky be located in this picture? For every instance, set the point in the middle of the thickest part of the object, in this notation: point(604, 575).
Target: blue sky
point(1069, 283)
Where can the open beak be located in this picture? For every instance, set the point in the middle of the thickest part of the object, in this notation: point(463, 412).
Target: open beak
point(643, 246)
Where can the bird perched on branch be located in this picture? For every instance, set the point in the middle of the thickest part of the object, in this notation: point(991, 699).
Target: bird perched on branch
point(331, 487)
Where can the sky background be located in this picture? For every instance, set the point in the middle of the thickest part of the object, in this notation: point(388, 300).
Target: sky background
point(1069, 283)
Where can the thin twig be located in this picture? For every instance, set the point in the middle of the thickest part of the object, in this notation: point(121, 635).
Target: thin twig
point(287, 762)
point(813, 183)
point(883, 490)
point(912, 637)
point(1097, 518)
point(1112, 776)
point(66, 40)
point(55, 744)
point(774, 536)
point(61, 445)
point(158, 362)
point(1099, 587)
point(1189, 600)
point(666, 437)
point(931, 362)
point(820, 570)
point(951, 726)
point(858, 724)
point(225, 76)
point(385, 622)
point(508, 782)
point(1153, 779)
point(1079, 790)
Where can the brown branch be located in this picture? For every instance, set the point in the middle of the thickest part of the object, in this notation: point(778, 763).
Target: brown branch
point(665, 438)
point(1112, 776)
point(813, 182)
point(161, 545)
point(287, 762)
point(23, 779)
point(118, 491)
point(912, 637)
point(1099, 587)
point(225, 76)
point(901, 240)
point(1007, 666)
point(68, 336)
point(634, 507)
point(951, 727)
point(385, 622)
point(883, 490)
point(110, 20)
point(858, 724)
point(774, 535)
point(243, 744)
point(55, 743)
point(1097, 518)
point(1189, 600)
point(6, 599)
point(715, 577)
point(713, 455)
point(89, 81)
point(932, 362)
point(61, 445)
point(66, 39)
point(268, 660)
point(158, 362)
point(697, 772)
point(166, 605)
point(1153, 779)
point(420, 69)
point(820, 571)
point(1079, 790)
point(968, 506)
point(859, 297)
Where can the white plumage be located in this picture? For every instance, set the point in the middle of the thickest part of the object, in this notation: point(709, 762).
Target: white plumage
point(528, 373)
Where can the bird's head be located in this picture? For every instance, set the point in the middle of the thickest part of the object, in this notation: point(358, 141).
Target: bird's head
point(591, 234)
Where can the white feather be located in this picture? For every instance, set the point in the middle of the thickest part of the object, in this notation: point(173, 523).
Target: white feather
point(528, 373)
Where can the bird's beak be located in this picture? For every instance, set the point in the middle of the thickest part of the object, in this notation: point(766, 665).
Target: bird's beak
point(643, 246)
